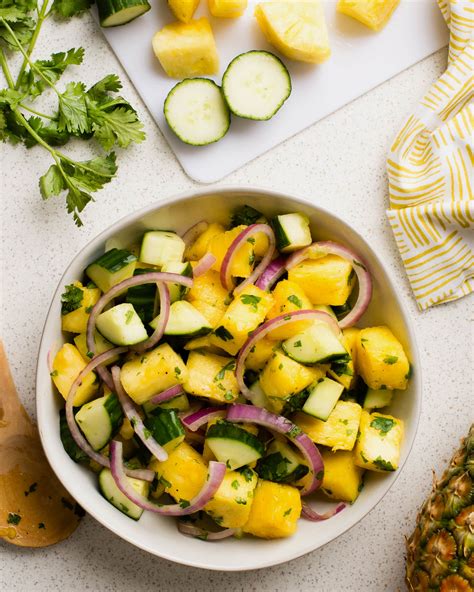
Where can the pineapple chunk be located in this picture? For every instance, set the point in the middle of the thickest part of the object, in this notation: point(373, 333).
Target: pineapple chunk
point(275, 510)
point(379, 442)
point(151, 373)
point(67, 364)
point(242, 265)
point(200, 246)
point(345, 373)
point(381, 360)
point(183, 473)
point(208, 288)
point(186, 49)
point(76, 321)
point(245, 313)
point(211, 313)
point(230, 507)
point(183, 10)
point(101, 346)
point(373, 13)
point(288, 298)
point(296, 28)
point(342, 477)
point(227, 8)
point(339, 431)
point(326, 280)
point(212, 377)
point(260, 354)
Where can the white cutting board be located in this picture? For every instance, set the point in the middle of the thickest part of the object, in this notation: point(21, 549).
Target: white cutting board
point(360, 60)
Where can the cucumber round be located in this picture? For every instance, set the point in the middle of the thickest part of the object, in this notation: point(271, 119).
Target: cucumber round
point(233, 445)
point(256, 84)
point(113, 13)
point(196, 111)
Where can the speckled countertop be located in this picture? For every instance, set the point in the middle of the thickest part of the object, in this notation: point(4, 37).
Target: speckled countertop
point(339, 164)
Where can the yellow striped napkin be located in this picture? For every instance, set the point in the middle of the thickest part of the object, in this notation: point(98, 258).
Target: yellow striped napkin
point(430, 170)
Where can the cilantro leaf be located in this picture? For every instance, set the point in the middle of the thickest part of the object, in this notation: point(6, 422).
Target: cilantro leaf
point(71, 299)
point(295, 300)
point(382, 424)
point(99, 91)
point(250, 300)
point(72, 109)
point(119, 125)
point(390, 360)
point(245, 215)
point(51, 69)
point(68, 8)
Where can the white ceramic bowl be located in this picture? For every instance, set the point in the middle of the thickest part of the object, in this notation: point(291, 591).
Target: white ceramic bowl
point(157, 534)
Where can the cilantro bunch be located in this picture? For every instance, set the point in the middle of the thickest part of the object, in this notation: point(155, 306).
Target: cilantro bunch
point(87, 113)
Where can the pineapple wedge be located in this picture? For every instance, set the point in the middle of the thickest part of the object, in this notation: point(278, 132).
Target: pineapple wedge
point(373, 13)
point(296, 28)
point(183, 10)
point(186, 49)
point(379, 442)
point(227, 8)
point(342, 477)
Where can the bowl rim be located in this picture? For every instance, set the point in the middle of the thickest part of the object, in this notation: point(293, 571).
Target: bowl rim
point(135, 216)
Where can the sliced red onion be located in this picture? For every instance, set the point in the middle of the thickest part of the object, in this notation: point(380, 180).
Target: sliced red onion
point(169, 393)
point(135, 419)
point(282, 425)
point(272, 273)
point(204, 264)
point(205, 535)
point(194, 231)
point(215, 476)
point(310, 514)
point(74, 428)
point(194, 421)
point(226, 276)
point(358, 265)
point(269, 326)
point(157, 334)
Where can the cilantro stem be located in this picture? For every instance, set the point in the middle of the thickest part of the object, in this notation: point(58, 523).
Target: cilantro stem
point(31, 110)
point(42, 15)
point(6, 69)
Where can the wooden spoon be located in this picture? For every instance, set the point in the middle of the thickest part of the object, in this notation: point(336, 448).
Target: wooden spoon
point(35, 509)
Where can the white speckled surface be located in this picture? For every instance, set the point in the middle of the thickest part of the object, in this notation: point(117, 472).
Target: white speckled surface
point(339, 163)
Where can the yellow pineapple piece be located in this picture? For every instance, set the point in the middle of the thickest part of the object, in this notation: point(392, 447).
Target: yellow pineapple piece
point(297, 28)
point(67, 365)
point(275, 510)
point(219, 244)
point(346, 373)
point(211, 376)
point(101, 346)
point(231, 505)
point(187, 49)
point(183, 10)
point(342, 477)
point(227, 8)
point(381, 359)
point(200, 246)
point(373, 13)
point(339, 431)
point(288, 298)
point(379, 442)
point(208, 288)
point(76, 320)
point(260, 353)
point(211, 313)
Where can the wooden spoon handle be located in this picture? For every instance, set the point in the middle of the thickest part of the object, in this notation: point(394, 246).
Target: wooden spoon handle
point(10, 405)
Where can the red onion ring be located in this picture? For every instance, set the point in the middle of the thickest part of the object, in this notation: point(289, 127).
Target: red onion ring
point(76, 433)
point(136, 421)
point(358, 265)
point(205, 535)
point(272, 273)
point(270, 325)
point(194, 231)
point(214, 479)
point(204, 264)
point(226, 276)
point(166, 395)
point(282, 425)
point(308, 512)
point(194, 421)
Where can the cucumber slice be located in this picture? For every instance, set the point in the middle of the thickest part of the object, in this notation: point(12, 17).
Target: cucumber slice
point(196, 111)
point(184, 320)
point(177, 291)
point(315, 345)
point(292, 232)
point(166, 427)
point(111, 268)
point(143, 298)
point(323, 398)
point(100, 420)
point(179, 403)
point(68, 442)
point(113, 13)
point(281, 464)
point(259, 398)
point(233, 445)
point(101, 346)
point(121, 325)
point(108, 488)
point(256, 84)
point(160, 247)
point(376, 399)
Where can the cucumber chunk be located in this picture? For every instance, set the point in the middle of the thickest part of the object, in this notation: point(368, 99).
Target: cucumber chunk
point(196, 111)
point(184, 320)
point(233, 445)
point(178, 403)
point(314, 345)
point(376, 399)
point(111, 268)
point(281, 464)
point(113, 13)
point(143, 298)
point(259, 398)
point(68, 442)
point(121, 325)
point(108, 488)
point(323, 398)
point(166, 427)
point(160, 247)
point(292, 232)
point(100, 420)
point(256, 84)
point(177, 291)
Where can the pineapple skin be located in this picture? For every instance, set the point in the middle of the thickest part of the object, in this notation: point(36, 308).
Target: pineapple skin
point(440, 551)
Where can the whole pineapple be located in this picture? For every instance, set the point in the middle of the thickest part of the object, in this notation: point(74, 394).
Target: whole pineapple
point(440, 552)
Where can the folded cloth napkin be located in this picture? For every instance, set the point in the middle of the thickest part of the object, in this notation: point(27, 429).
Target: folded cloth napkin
point(431, 175)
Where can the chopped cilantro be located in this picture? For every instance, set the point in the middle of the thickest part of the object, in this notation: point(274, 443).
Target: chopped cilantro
point(177, 371)
point(297, 343)
point(251, 300)
point(320, 475)
point(295, 431)
point(280, 367)
point(223, 334)
point(217, 519)
point(252, 258)
point(128, 316)
point(203, 536)
point(41, 525)
point(221, 374)
point(287, 318)
point(183, 503)
point(382, 424)
point(53, 373)
point(383, 465)
point(351, 277)
point(390, 360)
point(71, 299)
point(344, 421)
point(31, 489)
point(241, 501)
point(251, 240)
point(146, 433)
point(409, 374)
point(295, 300)
point(228, 300)
point(13, 518)
point(247, 473)
point(164, 481)
point(288, 512)
point(235, 484)
point(363, 457)
point(90, 354)
point(89, 309)
point(228, 396)
point(245, 215)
